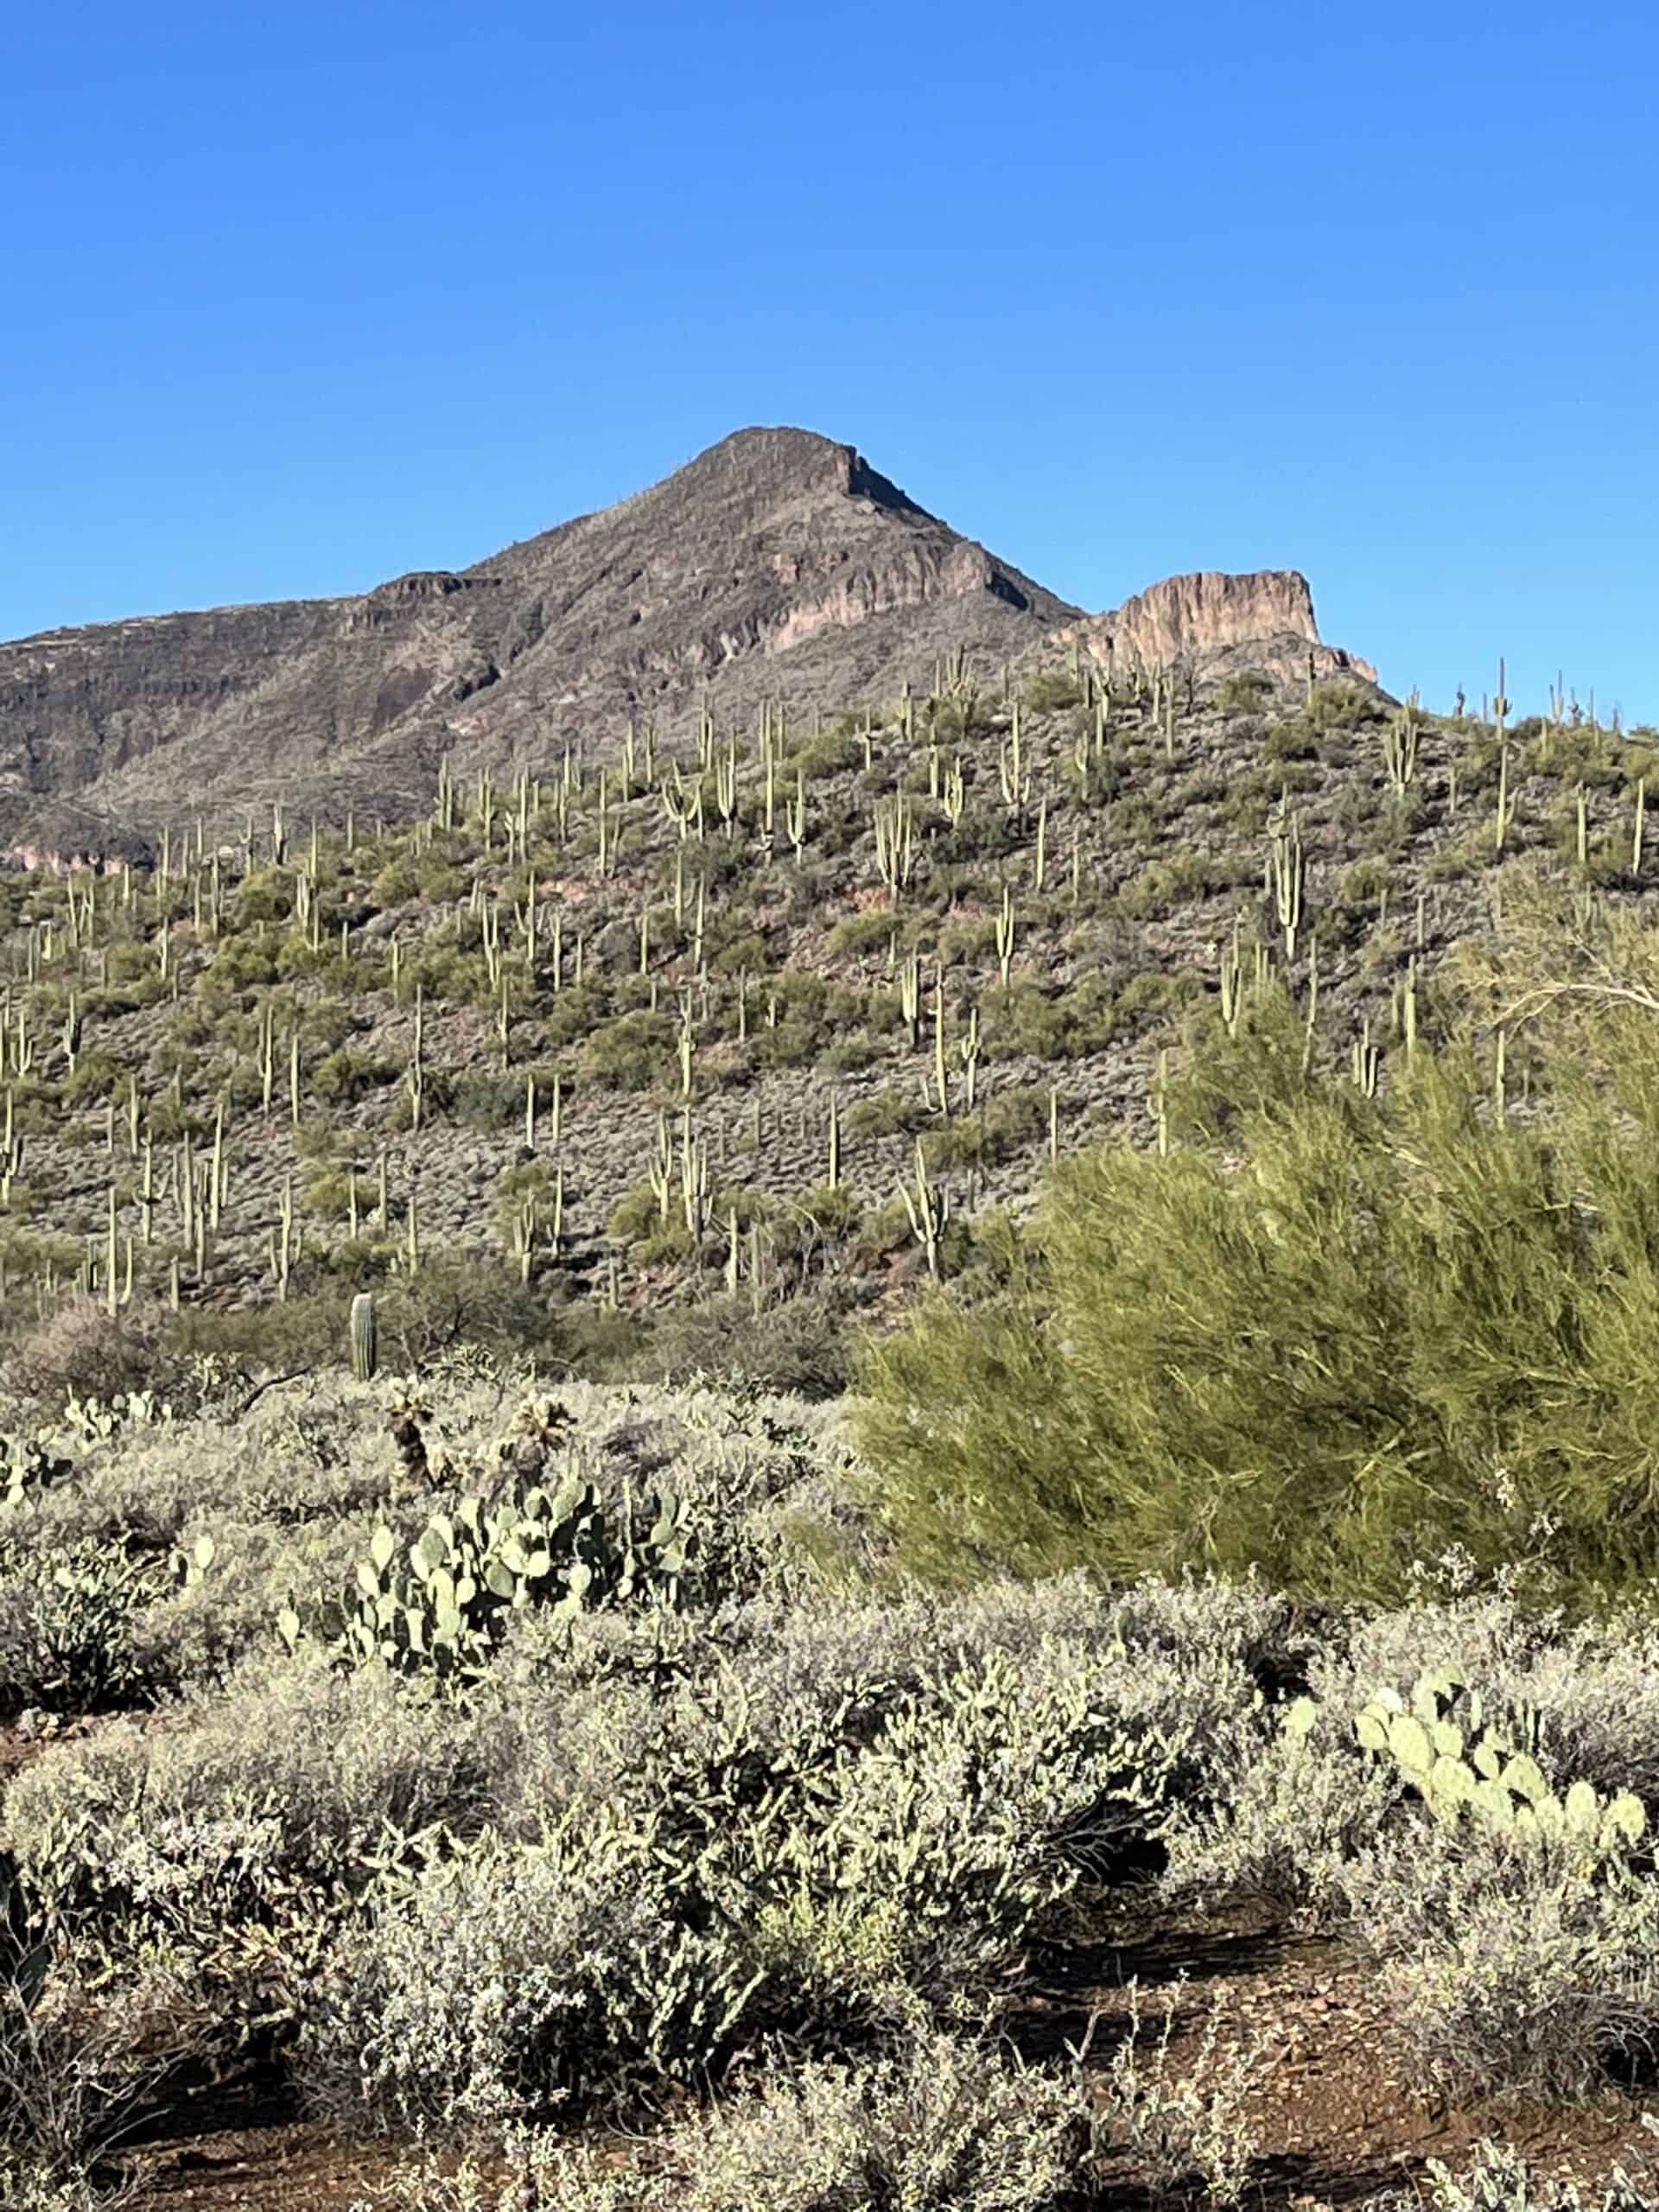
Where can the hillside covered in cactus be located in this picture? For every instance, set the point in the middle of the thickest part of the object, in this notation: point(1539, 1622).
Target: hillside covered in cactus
point(793, 1005)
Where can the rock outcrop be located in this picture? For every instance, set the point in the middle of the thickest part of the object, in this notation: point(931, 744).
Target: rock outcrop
point(1199, 616)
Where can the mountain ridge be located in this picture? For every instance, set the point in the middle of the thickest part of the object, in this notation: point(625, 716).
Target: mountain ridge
point(776, 560)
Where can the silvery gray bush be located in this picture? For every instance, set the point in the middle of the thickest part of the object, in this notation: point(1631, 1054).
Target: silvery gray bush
point(520, 1979)
point(1499, 2179)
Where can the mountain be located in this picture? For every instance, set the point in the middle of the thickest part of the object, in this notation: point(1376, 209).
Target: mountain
point(778, 562)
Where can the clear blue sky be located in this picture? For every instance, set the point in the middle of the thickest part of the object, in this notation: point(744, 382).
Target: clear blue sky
point(298, 297)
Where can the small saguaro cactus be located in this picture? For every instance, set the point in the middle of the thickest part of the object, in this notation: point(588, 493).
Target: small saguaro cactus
point(363, 1347)
point(929, 1210)
point(1286, 872)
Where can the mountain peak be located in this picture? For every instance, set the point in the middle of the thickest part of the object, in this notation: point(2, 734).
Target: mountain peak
point(771, 466)
point(777, 561)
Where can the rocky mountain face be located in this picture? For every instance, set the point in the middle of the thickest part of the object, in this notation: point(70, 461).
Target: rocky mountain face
point(1205, 615)
point(776, 564)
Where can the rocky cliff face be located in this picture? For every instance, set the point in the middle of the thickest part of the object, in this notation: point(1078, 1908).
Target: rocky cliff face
point(776, 564)
point(1195, 617)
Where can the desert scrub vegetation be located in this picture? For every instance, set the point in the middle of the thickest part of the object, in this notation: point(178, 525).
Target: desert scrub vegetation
point(948, 2127)
point(496, 1768)
point(593, 1756)
point(648, 1788)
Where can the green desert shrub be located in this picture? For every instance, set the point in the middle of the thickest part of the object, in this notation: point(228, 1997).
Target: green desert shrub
point(1336, 705)
point(348, 1073)
point(453, 1298)
point(1051, 690)
point(66, 1621)
point(1243, 693)
point(1301, 1805)
point(1288, 742)
point(236, 1836)
point(855, 936)
point(80, 1350)
point(830, 752)
point(800, 1345)
point(1420, 1331)
point(891, 1805)
point(630, 1052)
point(1163, 885)
point(1510, 1966)
point(1005, 1122)
point(949, 2126)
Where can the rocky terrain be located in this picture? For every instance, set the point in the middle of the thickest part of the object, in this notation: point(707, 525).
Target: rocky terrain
point(778, 564)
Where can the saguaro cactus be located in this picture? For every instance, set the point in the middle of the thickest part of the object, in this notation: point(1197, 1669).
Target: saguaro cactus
point(364, 1348)
point(1287, 875)
point(928, 1208)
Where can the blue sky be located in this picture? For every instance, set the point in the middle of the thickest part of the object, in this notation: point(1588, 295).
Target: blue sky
point(297, 298)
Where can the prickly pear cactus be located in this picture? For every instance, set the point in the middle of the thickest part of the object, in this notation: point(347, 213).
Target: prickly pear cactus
point(1464, 1769)
point(441, 1605)
point(96, 1421)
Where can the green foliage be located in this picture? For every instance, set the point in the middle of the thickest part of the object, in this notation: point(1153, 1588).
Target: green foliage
point(1419, 1329)
point(1244, 693)
point(65, 1620)
point(858, 935)
point(1163, 885)
point(345, 1075)
point(515, 1979)
point(1509, 1968)
point(835, 751)
point(27, 1464)
point(1053, 690)
point(800, 1345)
point(632, 1053)
point(1464, 1769)
point(1498, 2178)
point(945, 2126)
point(1336, 704)
point(1290, 741)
